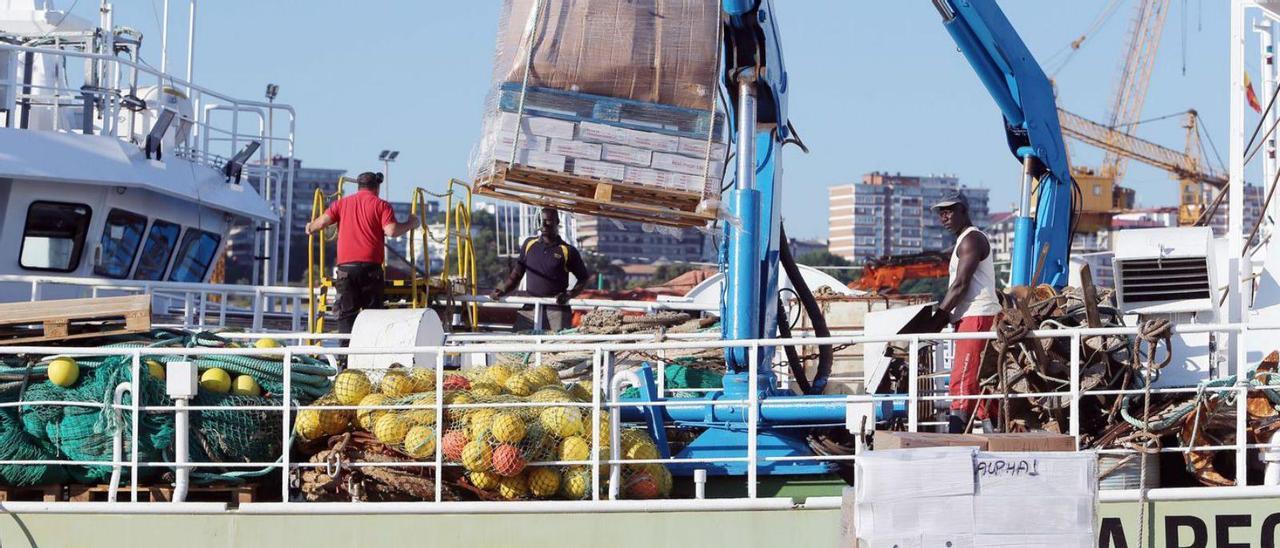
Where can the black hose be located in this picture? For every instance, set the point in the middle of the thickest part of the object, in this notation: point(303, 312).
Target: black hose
point(793, 358)
point(826, 356)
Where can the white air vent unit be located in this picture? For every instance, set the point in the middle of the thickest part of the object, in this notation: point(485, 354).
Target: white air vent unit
point(1165, 270)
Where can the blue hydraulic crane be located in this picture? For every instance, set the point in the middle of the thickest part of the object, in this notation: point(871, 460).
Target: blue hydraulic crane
point(755, 74)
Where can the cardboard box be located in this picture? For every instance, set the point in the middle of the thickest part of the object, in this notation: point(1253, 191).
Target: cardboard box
point(697, 148)
point(695, 183)
point(684, 164)
point(527, 142)
point(603, 170)
point(913, 473)
point(1033, 513)
point(648, 140)
point(919, 516)
point(536, 125)
point(623, 154)
point(1053, 474)
point(885, 439)
point(1029, 441)
point(648, 50)
point(596, 132)
point(538, 160)
point(1078, 540)
point(574, 149)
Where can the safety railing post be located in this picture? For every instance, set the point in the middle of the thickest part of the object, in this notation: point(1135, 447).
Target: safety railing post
point(1074, 415)
point(439, 479)
point(615, 433)
point(136, 368)
point(913, 385)
point(597, 362)
point(1242, 407)
point(753, 416)
point(286, 425)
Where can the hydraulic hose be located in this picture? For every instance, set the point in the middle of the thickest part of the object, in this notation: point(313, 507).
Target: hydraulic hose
point(793, 358)
point(825, 354)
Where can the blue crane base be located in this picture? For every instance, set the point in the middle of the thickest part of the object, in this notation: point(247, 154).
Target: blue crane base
point(729, 439)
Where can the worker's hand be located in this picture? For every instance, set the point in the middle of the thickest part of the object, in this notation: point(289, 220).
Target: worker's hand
point(310, 229)
point(495, 295)
point(563, 298)
point(414, 221)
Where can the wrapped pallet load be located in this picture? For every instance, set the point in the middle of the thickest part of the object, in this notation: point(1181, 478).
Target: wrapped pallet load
point(616, 105)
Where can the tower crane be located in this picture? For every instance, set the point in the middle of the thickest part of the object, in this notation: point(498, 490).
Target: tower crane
point(1135, 78)
point(1187, 167)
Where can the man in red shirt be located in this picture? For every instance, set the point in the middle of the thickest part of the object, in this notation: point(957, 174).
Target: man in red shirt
point(364, 222)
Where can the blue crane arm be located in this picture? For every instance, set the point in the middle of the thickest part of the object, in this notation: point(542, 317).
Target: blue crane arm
point(1024, 95)
point(756, 76)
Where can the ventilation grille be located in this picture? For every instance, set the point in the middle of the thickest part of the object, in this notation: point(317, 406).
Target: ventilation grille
point(1163, 280)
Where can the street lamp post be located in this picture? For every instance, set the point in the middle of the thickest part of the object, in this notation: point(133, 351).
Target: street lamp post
point(387, 157)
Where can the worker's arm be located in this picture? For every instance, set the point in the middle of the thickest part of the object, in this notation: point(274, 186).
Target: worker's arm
point(395, 229)
point(509, 285)
point(580, 272)
point(971, 251)
point(319, 223)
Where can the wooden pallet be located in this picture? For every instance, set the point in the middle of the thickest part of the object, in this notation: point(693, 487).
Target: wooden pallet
point(595, 196)
point(34, 493)
point(42, 321)
point(233, 495)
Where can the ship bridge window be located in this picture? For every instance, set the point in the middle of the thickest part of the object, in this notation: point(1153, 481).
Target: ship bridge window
point(161, 242)
point(121, 237)
point(54, 236)
point(195, 256)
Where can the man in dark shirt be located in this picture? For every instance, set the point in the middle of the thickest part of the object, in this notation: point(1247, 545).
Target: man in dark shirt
point(548, 261)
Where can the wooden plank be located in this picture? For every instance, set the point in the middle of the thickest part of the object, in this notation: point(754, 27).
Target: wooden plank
point(72, 309)
point(231, 494)
point(636, 212)
point(40, 493)
point(604, 192)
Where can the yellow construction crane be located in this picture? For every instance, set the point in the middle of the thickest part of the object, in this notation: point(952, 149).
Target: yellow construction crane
point(1135, 77)
point(1187, 167)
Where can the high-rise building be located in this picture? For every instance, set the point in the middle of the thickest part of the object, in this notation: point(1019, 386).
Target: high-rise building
point(632, 243)
point(888, 214)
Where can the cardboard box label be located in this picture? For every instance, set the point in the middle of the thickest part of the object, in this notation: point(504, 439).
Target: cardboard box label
point(603, 170)
point(623, 154)
point(684, 164)
point(574, 149)
point(595, 132)
point(648, 140)
point(697, 148)
point(538, 160)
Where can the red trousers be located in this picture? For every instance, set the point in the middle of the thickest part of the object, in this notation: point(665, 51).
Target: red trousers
point(965, 368)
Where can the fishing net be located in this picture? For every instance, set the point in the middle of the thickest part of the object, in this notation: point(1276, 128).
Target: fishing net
point(48, 428)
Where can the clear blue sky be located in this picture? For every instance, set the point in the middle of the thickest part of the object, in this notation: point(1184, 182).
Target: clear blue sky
point(876, 84)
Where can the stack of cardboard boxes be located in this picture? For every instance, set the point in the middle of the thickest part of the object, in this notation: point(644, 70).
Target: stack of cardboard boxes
point(598, 149)
point(961, 497)
point(621, 90)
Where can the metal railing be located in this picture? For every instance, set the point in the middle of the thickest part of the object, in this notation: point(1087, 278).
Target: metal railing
point(603, 356)
point(210, 143)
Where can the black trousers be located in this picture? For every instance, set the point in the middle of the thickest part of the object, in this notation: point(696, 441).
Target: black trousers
point(360, 287)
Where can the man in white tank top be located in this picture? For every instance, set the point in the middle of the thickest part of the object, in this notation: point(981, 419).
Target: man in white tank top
point(971, 304)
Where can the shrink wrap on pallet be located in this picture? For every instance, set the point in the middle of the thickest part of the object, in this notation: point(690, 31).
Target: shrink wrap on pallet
point(625, 91)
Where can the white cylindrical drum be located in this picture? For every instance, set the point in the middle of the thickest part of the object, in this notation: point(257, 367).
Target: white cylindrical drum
point(401, 328)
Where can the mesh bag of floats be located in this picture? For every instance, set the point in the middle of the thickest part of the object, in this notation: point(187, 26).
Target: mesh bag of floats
point(516, 433)
point(50, 429)
point(606, 107)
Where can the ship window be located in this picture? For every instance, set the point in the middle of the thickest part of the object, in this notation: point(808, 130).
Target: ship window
point(161, 242)
point(54, 236)
point(195, 256)
point(119, 245)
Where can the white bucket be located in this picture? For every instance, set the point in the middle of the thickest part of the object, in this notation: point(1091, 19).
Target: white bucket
point(399, 328)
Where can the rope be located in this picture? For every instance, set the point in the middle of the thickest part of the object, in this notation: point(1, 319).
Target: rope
point(1150, 334)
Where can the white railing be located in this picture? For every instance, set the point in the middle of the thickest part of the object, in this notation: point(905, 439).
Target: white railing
point(204, 305)
point(210, 143)
point(603, 354)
